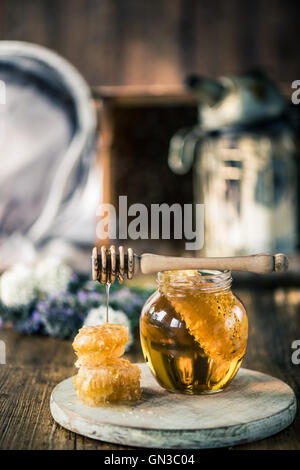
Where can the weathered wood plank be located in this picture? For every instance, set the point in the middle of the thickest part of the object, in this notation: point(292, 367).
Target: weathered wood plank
point(36, 364)
point(129, 42)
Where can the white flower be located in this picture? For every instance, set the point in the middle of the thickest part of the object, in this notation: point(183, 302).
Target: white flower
point(52, 276)
point(17, 285)
point(97, 316)
point(21, 283)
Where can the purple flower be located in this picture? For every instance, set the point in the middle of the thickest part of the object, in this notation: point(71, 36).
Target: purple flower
point(82, 296)
point(62, 314)
point(95, 296)
point(74, 277)
point(36, 317)
point(68, 311)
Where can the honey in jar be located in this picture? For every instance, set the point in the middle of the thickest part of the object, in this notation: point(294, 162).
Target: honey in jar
point(194, 331)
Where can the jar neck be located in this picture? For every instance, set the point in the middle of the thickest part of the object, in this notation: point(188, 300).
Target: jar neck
point(200, 280)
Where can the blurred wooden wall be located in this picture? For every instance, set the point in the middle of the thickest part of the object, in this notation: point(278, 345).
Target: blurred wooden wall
point(118, 42)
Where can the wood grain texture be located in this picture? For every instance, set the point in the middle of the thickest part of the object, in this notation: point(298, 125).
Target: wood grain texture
point(260, 264)
point(140, 42)
point(35, 365)
point(254, 406)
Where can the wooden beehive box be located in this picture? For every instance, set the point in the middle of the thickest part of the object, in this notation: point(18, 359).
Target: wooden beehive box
point(136, 125)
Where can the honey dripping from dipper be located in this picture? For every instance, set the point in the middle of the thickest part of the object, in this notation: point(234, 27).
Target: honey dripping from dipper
point(109, 265)
point(107, 286)
point(103, 375)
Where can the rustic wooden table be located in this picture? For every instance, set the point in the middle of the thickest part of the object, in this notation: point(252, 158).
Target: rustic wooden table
point(36, 364)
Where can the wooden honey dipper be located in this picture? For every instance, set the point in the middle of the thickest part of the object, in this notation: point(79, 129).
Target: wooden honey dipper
point(110, 264)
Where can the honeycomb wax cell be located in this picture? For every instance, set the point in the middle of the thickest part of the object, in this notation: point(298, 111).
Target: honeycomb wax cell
point(102, 376)
point(94, 344)
point(215, 322)
point(115, 380)
point(194, 331)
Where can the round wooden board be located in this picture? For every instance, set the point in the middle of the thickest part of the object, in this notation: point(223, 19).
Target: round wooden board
point(253, 407)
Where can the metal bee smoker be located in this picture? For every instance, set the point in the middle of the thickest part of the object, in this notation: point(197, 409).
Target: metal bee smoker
point(243, 157)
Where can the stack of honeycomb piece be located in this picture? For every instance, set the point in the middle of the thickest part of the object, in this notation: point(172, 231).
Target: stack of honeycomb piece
point(103, 376)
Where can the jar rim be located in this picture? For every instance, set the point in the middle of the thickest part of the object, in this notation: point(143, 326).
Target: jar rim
point(206, 280)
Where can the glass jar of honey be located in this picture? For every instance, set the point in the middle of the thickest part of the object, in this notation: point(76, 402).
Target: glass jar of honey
point(194, 331)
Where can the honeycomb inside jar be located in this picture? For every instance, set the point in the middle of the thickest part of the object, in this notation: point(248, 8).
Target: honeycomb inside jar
point(194, 332)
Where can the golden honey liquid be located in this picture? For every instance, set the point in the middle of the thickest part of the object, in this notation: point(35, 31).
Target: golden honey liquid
point(194, 342)
point(107, 286)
